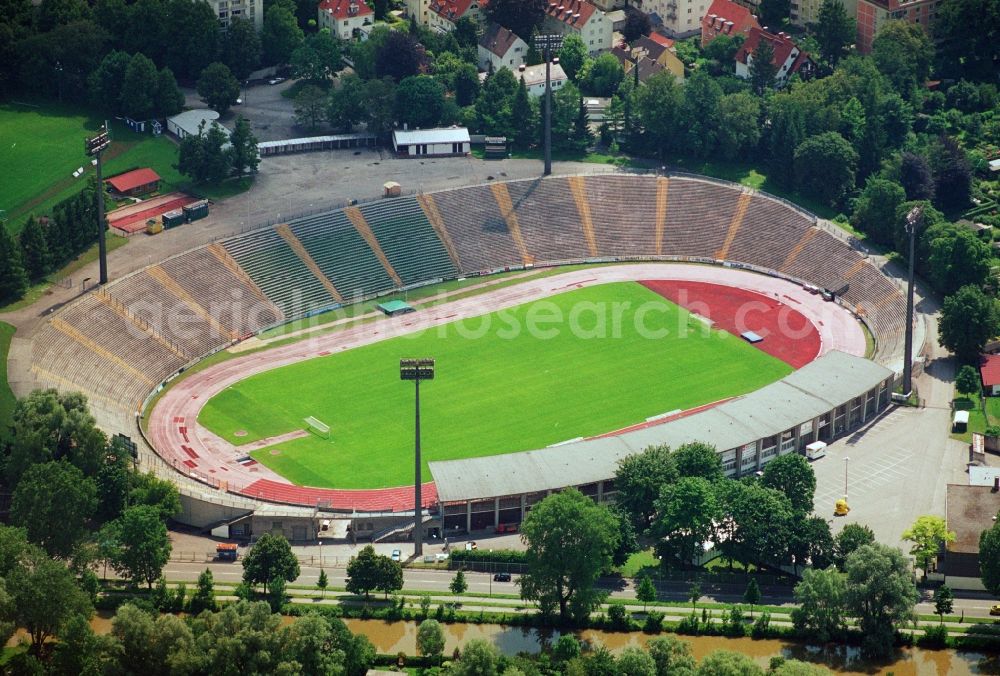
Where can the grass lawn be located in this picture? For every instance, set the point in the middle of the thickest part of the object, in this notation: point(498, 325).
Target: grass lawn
point(6, 396)
point(495, 392)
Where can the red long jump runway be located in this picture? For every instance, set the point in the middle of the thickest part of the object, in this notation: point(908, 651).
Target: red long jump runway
point(136, 221)
point(176, 435)
point(787, 334)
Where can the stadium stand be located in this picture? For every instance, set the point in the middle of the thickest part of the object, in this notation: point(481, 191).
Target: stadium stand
point(698, 216)
point(409, 242)
point(766, 221)
point(342, 254)
point(480, 234)
point(549, 219)
point(623, 207)
point(279, 273)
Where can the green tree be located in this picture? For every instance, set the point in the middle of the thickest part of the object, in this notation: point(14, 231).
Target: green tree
point(880, 594)
point(520, 16)
point(80, 650)
point(952, 174)
point(148, 489)
point(686, 515)
point(269, 559)
point(738, 118)
point(243, 154)
point(458, 584)
point(430, 639)
point(645, 591)
point(13, 278)
point(169, 98)
point(280, 35)
point(792, 475)
point(419, 101)
point(218, 88)
point(317, 58)
point(755, 523)
point(45, 597)
point(671, 655)
point(972, 54)
point(852, 536)
point(347, 103)
point(693, 594)
point(635, 661)
point(143, 544)
point(944, 602)
point(903, 53)
point(699, 114)
point(241, 47)
point(322, 582)
point(572, 55)
point(762, 68)
point(479, 658)
point(916, 177)
point(825, 166)
point(380, 98)
point(523, 117)
point(204, 596)
point(398, 56)
point(969, 318)
point(821, 597)
point(697, 459)
point(640, 478)
point(989, 558)
point(928, 533)
point(603, 75)
point(967, 381)
point(105, 82)
point(202, 156)
point(363, 572)
point(53, 502)
point(875, 210)
point(751, 596)
point(798, 668)
point(834, 31)
point(34, 250)
point(569, 543)
point(311, 106)
point(390, 576)
point(191, 38)
point(728, 663)
point(139, 88)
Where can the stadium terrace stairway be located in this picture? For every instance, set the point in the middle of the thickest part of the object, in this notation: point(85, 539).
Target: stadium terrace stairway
point(549, 218)
point(342, 254)
point(408, 240)
point(766, 222)
point(279, 272)
point(623, 207)
point(477, 228)
point(698, 217)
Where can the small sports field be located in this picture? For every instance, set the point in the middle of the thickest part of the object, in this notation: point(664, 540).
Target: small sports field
point(596, 359)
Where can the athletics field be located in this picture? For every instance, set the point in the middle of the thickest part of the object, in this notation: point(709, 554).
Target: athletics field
point(578, 364)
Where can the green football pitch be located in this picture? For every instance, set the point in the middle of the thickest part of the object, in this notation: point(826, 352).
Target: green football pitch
point(499, 386)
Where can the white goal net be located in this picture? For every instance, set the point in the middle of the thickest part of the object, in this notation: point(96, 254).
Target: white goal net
point(317, 427)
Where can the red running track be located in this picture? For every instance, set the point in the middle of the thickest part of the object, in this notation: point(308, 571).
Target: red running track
point(788, 334)
point(373, 500)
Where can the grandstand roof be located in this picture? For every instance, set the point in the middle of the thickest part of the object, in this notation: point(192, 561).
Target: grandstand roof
point(831, 380)
point(133, 179)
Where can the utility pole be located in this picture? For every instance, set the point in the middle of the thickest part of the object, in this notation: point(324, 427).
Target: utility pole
point(95, 146)
point(914, 219)
point(417, 370)
point(548, 42)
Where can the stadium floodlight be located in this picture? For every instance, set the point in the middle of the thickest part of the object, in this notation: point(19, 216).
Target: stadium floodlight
point(914, 219)
point(548, 43)
point(417, 370)
point(94, 147)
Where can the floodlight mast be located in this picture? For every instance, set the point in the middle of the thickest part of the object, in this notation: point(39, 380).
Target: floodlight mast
point(548, 42)
point(914, 219)
point(94, 146)
point(417, 370)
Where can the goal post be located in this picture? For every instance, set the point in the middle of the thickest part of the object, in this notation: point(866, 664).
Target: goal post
point(317, 427)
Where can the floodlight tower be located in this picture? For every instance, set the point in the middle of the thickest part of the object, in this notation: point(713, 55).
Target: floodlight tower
point(914, 219)
point(94, 146)
point(417, 370)
point(548, 42)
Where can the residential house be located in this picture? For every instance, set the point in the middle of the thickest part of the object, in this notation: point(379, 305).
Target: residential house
point(582, 18)
point(676, 18)
point(989, 371)
point(652, 58)
point(726, 18)
point(227, 10)
point(806, 12)
point(970, 511)
point(442, 14)
point(789, 59)
point(659, 51)
point(346, 19)
point(500, 48)
point(135, 182)
point(534, 78)
point(873, 14)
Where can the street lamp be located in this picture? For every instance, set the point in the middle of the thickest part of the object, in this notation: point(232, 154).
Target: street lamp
point(914, 219)
point(417, 370)
point(847, 461)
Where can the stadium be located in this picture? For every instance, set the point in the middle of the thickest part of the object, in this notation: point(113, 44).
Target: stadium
point(145, 350)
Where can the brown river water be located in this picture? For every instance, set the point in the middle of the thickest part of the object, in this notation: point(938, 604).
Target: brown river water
point(393, 637)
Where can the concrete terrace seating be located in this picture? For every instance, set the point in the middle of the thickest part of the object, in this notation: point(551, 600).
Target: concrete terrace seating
point(477, 228)
point(823, 261)
point(698, 217)
point(342, 254)
point(767, 222)
point(408, 240)
point(624, 212)
point(167, 314)
point(227, 297)
point(549, 218)
point(279, 272)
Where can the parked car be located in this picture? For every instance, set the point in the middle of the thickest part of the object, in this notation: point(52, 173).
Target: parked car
point(397, 555)
point(995, 609)
point(275, 80)
point(469, 546)
point(501, 577)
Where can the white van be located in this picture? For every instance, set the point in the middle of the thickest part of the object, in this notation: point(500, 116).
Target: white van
point(816, 450)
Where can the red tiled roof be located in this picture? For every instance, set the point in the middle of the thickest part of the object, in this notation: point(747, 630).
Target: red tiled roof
point(345, 9)
point(571, 12)
point(452, 10)
point(728, 18)
point(133, 179)
point(781, 44)
point(989, 369)
point(661, 40)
